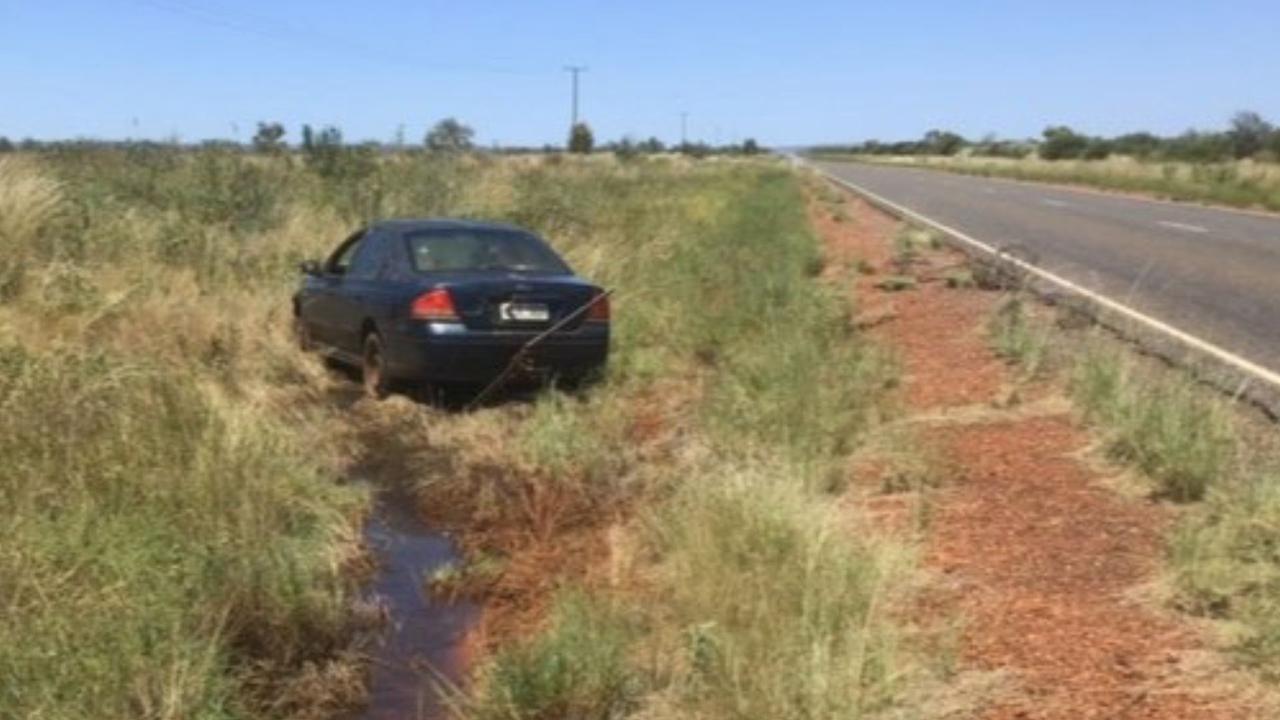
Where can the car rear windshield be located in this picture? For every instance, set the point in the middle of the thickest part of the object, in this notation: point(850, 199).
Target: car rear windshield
point(470, 249)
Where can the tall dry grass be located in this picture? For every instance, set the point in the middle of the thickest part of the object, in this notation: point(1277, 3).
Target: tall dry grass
point(179, 524)
point(174, 539)
point(177, 528)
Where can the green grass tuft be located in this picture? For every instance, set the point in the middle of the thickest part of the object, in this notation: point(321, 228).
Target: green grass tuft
point(577, 668)
point(1182, 439)
point(1226, 565)
point(1016, 338)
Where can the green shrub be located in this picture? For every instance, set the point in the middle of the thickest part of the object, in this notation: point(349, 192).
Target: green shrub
point(581, 140)
point(227, 189)
point(1062, 142)
point(578, 668)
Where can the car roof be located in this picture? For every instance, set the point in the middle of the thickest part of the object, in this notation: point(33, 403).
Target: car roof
point(408, 225)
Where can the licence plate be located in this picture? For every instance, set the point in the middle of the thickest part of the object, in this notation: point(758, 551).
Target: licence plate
point(524, 312)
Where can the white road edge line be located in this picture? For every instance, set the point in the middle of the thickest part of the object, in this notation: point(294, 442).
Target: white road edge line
point(1182, 226)
point(1055, 203)
point(1239, 363)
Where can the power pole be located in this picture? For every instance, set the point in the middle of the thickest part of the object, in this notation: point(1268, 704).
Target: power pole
point(575, 70)
point(684, 128)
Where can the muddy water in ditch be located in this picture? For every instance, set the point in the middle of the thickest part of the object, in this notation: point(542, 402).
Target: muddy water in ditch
point(425, 641)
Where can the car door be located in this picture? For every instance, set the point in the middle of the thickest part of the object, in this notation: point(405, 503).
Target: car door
point(355, 296)
point(323, 296)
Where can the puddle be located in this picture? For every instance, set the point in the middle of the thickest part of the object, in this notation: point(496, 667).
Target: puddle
point(425, 638)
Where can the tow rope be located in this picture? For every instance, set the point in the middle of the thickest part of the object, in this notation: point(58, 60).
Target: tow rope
point(519, 357)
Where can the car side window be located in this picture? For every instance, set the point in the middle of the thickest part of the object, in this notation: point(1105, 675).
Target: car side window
point(340, 262)
point(394, 259)
point(367, 258)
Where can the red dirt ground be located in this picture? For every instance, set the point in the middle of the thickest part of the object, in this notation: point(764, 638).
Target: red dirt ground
point(1041, 561)
point(556, 539)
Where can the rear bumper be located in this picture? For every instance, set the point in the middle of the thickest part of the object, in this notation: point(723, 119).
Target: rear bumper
point(463, 356)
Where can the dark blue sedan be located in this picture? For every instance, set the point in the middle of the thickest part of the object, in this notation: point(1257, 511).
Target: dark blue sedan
point(451, 301)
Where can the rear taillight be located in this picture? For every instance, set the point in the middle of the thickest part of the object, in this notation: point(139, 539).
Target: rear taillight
point(434, 305)
point(599, 310)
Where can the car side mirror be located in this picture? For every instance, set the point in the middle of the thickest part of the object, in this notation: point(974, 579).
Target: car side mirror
point(309, 267)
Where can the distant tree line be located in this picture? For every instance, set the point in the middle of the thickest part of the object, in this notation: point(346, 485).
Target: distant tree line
point(1249, 135)
point(326, 151)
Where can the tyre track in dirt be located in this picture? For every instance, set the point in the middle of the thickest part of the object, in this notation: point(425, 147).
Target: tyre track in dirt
point(1043, 564)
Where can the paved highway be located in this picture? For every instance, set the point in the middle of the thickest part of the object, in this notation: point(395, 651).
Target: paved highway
point(1212, 273)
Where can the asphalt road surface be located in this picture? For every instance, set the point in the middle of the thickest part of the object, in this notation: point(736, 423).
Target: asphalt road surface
point(1209, 272)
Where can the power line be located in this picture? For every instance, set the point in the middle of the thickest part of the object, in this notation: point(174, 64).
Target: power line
point(575, 70)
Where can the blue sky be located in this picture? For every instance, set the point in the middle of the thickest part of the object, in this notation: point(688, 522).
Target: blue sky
point(783, 72)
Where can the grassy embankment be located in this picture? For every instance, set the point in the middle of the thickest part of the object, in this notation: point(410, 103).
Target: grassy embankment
point(176, 537)
point(1242, 183)
point(1195, 447)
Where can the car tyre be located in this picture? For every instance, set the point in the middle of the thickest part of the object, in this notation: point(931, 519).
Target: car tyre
point(373, 367)
point(580, 380)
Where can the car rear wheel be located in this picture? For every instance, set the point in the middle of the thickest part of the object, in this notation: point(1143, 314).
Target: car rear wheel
point(302, 334)
point(580, 379)
point(373, 368)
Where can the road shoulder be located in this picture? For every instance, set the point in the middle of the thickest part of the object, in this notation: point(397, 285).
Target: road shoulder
point(1046, 564)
